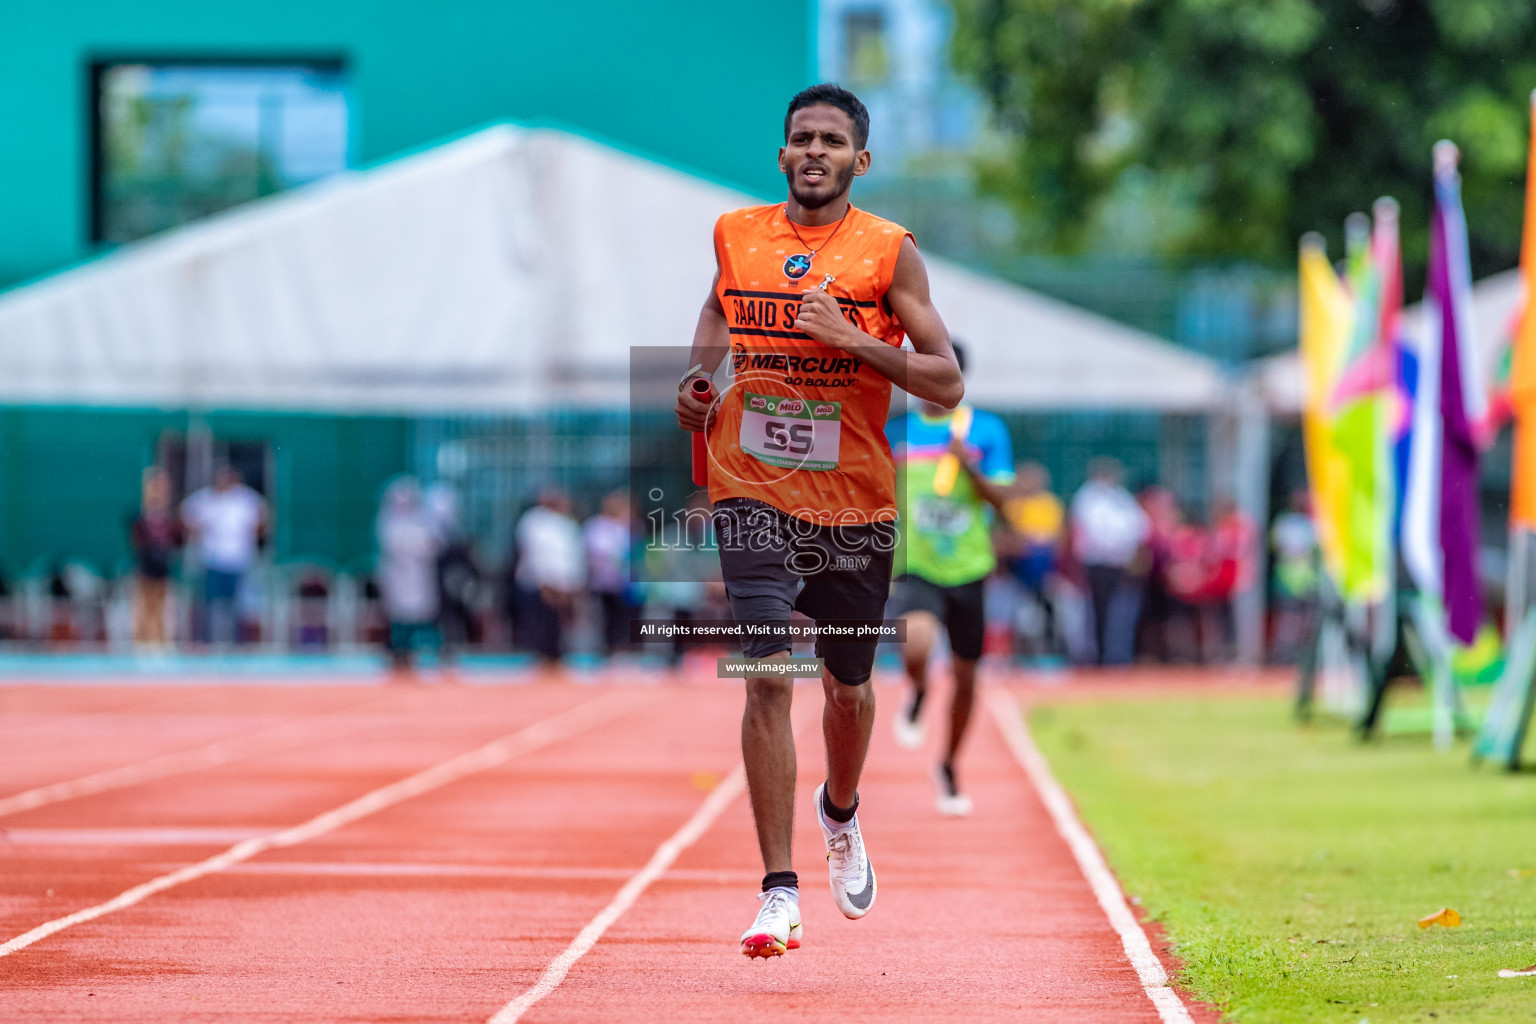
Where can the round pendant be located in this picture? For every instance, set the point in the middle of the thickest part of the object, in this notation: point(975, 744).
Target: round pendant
point(797, 266)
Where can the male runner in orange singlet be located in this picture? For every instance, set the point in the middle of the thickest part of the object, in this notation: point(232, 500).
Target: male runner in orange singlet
point(813, 298)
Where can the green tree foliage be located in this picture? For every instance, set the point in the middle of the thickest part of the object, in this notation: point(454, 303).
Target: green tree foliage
point(1263, 119)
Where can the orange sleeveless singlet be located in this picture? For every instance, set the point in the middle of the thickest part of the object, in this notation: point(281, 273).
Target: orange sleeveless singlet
point(801, 425)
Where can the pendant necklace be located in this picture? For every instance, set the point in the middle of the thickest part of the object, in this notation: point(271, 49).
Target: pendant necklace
point(798, 265)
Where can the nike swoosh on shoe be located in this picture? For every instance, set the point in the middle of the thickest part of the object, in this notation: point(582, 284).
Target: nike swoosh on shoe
point(861, 900)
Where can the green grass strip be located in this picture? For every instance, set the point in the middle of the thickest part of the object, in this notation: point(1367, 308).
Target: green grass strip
point(1290, 865)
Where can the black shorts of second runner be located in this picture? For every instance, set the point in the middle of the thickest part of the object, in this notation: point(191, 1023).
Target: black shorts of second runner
point(773, 563)
point(961, 609)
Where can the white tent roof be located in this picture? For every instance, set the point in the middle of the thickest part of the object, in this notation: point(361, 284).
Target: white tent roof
point(510, 270)
point(1495, 300)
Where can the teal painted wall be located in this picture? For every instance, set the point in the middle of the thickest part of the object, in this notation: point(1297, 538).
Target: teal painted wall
point(699, 84)
point(69, 479)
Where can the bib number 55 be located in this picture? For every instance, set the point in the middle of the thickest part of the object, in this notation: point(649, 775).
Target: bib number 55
point(797, 439)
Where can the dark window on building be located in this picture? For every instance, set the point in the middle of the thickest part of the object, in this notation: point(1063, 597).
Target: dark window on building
point(866, 58)
point(175, 141)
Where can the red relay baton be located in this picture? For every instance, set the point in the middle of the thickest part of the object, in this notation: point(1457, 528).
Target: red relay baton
point(704, 391)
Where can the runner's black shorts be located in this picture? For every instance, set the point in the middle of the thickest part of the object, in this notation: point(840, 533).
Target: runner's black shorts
point(961, 610)
point(774, 563)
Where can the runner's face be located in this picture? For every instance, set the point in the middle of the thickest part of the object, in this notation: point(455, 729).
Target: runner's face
point(819, 158)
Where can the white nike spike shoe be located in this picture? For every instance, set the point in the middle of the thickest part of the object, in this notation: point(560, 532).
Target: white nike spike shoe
point(909, 731)
point(952, 803)
point(777, 928)
point(853, 877)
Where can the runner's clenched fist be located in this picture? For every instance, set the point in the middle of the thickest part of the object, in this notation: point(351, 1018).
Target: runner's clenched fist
point(822, 318)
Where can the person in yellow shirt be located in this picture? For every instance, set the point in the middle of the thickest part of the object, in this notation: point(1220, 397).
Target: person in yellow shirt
point(1036, 519)
point(1035, 514)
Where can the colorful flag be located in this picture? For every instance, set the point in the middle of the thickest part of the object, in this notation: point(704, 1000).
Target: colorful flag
point(1522, 374)
point(1365, 402)
point(1347, 329)
point(1327, 323)
point(1403, 369)
point(1376, 285)
point(1442, 511)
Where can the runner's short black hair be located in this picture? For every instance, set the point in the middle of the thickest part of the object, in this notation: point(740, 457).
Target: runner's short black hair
point(959, 351)
point(832, 95)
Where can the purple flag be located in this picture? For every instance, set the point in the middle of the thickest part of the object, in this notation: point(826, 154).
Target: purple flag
point(1460, 400)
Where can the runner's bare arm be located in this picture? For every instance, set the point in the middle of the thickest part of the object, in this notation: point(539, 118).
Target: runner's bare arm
point(993, 494)
point(711, 341)
point(930, 372)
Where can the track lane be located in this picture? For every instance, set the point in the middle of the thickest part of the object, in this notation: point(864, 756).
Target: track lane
point(662, 861)
point(240, 745)
point(493, 754)
point(979, 919)
point(53, 735)
point(443, 907)
point(422, 947)
point(263, 793)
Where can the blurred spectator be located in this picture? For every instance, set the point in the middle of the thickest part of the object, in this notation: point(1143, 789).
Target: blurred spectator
point(1231, 572)
point(609, 536)
point(512, 599)
point(407, 574)
point(1164, 519)
point(550, 572)
point(1035, 519)
point(458, 576)
point(226, 523)
point(373, 623)
point(1293, 539)
point(10, 629)
point(683, 578)
point(312, 599)
point(1108, 530)
point(156, 535)
point(61, 609)
point(1187, 573)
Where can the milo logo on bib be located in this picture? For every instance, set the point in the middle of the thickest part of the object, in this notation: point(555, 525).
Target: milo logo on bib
point(791, 433)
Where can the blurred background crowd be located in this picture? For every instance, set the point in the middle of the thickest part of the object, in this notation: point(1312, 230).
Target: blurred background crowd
point(1102, 576)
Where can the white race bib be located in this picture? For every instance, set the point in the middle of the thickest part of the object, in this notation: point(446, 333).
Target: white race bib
point(792, 433)
point(934, 515)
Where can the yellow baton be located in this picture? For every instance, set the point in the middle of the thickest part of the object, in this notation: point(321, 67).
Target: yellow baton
point(948, 470)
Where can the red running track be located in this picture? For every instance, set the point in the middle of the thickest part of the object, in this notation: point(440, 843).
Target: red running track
point(448, 904)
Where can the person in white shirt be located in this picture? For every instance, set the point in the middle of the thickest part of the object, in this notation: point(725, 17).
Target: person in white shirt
point(1109, 529)
point(551, 569)
point(409, 543)
point(225, 523)
point(608, 540)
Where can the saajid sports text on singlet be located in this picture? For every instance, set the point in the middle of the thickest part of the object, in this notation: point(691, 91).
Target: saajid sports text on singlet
point(802, 425)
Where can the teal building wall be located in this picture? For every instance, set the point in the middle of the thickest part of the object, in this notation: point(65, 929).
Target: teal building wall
point(701, 84)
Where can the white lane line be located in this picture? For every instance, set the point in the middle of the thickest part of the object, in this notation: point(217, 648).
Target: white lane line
point(423, 870)
point(213, 754)
point(74, 837)
point(541, 734)
point(1149, 969)
point(666, 854)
